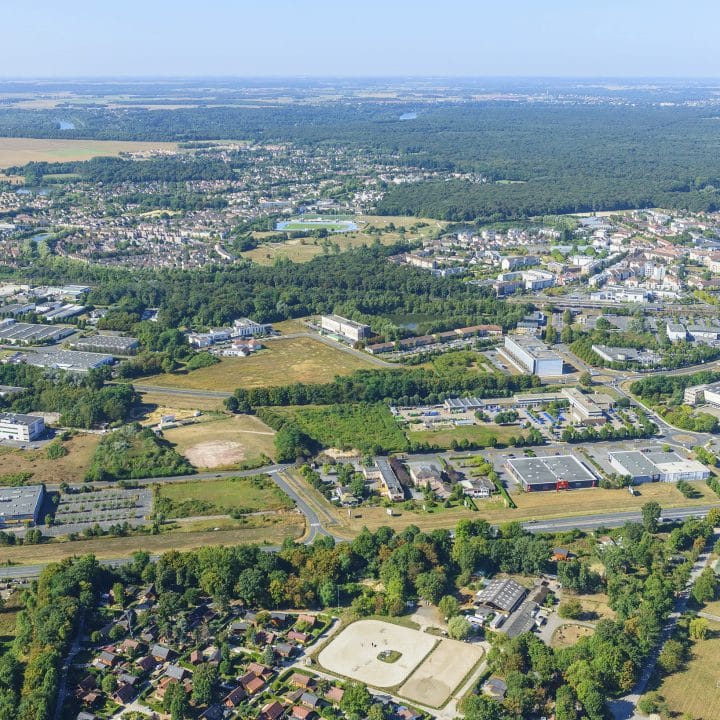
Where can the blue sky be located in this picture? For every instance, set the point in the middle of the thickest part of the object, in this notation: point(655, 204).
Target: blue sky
point(629, 38)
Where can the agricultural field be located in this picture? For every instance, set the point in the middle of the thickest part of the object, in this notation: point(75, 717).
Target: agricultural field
point(478, 434)
point(19, 151)
point(224, 441)
point(284, 361)
point(364, 426)
point(220, 497)
point(70, 468)
point(694, 690)
point(270, 530)
point(304, 249)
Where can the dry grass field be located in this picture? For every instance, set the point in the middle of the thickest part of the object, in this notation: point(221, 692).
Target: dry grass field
point(224, 441)
point(695, 689)
point(473, 433)
point(271, 532)
point(568, 635)
point(19, 151)
point(284, 361)
point(158, 403)
point(70, 468)
point(302, 250)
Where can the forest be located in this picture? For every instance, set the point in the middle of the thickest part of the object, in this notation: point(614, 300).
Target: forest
point(559, 158)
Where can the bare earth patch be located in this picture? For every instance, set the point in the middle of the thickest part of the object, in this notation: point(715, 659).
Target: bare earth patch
point(215, 454)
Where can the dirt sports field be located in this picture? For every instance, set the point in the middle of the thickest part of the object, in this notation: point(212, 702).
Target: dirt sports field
point(354, 653)
point(443, 670)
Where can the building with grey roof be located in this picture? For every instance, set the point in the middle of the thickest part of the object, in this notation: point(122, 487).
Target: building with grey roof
point(503, 595)
point(653, 466)
point(70, 360)
point(555, 472)
point(18, 333)
point(21, 504)
point(22, 428)
point(532, 355)
point(112, 344)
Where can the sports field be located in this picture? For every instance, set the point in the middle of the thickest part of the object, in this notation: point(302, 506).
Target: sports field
point(224, 441)
point(19, 151)
point(354, 652)
point(284, 361)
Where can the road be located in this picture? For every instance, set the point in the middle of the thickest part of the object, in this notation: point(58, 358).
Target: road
point(624, 708)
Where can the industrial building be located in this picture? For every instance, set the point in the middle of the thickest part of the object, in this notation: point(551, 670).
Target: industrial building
point(348, 329)
point(655, 466)
point(532, 355)
point(115, 344)
point(533, 400)
point(21, 504)
point(383, 474)
point(22, 428)
point(555, 472)
point(17, 333)
point(588, 409)
point(463, 404)
point(645, 358)
point(70, 360)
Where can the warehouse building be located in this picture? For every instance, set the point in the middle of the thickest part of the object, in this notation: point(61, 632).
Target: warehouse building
point(645, 358)
point(532, 355)
point(654, 466)
point(463, 404)
point(70, 360)
point(18, 333)
point(556, 472)
point(348, 329)
point(21, 504)
point(22, 428)
point(115, 344)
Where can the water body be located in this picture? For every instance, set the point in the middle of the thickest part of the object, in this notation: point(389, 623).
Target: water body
point(409, 116)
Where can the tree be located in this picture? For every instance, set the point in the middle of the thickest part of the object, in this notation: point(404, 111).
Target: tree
point(430, 585)
point(671, 656)
point(118, 591)
point(585, 379)
point(481, 707)
point(204, 679)
point(268, 655)
point(459, 627)
point(565, 704)
point(109, 684)
point(449, 606)
point(705, 586)
point(651, 512)
point(376, 712)
point(698, 628)
point(571, 609)
point(356, 700)
point(176, 701)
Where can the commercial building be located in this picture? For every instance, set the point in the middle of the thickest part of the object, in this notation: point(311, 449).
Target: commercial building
point(18, 333)
point(502, 595)
point(245, 327)
point(463, 404)
point(70, 360)
point(348, 329)
point(588, 409)
point(555, 472)
point(21, 504)
point(115, 344)
point(533, 400)
point(532, 355)
point(385, 476)
point(654, 466)
point(645, 358)
point(23, 428)
point(703, 394)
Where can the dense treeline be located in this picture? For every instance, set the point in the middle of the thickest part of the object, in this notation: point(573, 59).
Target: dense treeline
point(660, 388)
point(406, 387)
point(82, 401)
point(567, 158)
point(361, 283)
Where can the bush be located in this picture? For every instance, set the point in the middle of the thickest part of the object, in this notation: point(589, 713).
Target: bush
point(571, 609)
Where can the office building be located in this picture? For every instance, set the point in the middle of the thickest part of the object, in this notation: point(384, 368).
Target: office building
point(22, 428)
point(532, 356)
point(349, 329)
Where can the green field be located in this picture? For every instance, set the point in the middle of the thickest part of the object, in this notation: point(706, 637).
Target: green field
point(284, 361)
point(220, 497)
point(478, 434)
point(364, 426)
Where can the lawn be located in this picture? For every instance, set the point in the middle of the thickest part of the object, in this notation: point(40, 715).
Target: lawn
point(695, 689)
point(305, 249)
point(19, 151)
point(219, 497)
point(272, 532)
point(224, 441)
point(284, 361)
point(70, 468)
point(479, 434)
point(363, 426)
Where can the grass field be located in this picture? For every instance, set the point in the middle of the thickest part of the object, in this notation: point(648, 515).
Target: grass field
point(362, 426)
point(8, 615)
point(284, 361)
point(19, 151)
point(481, 434)
point(218, 497)
point(568, 635)
point(223, 442)
point(303, 250)
point(159, 403)
point(70, 468)
point(695, 689)
point(273, 532)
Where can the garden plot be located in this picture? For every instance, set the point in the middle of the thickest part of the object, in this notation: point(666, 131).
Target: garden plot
point(104, 506)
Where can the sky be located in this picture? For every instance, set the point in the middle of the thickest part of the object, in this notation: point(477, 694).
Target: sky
point(363, 38)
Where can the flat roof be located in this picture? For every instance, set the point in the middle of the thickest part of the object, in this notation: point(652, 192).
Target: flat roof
point(534, 347)
point(19, 419)
point(66, 359)
point(636, 463)
point(345, 321)
point(114, 342)
point(542, 470)
point(20, 501)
